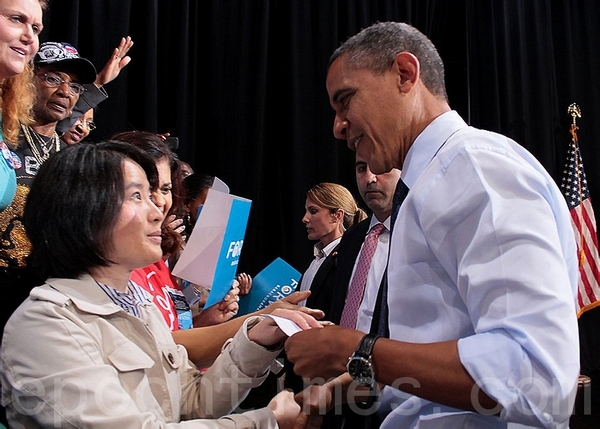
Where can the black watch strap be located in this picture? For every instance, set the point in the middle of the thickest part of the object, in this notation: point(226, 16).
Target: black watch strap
point(365, 347)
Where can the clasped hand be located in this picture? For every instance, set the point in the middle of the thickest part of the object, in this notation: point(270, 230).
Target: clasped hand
point(285, 406)
point(268, 334)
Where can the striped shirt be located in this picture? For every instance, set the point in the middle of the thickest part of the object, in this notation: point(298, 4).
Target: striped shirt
point(130, 301)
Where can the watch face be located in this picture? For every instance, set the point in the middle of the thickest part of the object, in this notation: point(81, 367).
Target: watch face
point(361, 371)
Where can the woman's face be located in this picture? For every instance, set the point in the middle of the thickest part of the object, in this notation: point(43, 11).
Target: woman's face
point(136, 236)
point(197, 203)
point(20, 26)
point(320, 223)
point(80, 129)
point(163, 197)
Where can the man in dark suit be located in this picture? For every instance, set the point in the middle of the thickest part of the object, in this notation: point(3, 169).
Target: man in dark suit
point(377, 191)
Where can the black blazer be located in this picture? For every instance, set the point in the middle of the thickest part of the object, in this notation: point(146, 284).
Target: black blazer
point(321, 288)
point(348, 251)
point(321, 293)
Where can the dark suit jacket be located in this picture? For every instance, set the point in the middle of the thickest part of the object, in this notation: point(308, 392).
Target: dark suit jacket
point(348, 251)
point(321, 288)
point(320, 297)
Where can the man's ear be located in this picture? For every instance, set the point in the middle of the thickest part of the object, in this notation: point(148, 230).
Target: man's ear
point(408, 69)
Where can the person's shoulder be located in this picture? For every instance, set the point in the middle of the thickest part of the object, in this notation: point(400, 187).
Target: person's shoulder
point(360, 228)
point(48, 293)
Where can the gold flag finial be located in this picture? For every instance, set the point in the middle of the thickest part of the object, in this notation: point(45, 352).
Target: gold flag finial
point(575, 112)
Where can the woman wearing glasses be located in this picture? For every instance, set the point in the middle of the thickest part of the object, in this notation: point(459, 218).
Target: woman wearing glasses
point(94, 92)
point(59, 72)
point(59, 78)
point(82, 128)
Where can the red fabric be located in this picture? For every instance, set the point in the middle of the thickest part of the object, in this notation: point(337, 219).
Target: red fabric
point(157, 279)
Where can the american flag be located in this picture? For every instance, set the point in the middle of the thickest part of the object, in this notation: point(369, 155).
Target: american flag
point(575, 189)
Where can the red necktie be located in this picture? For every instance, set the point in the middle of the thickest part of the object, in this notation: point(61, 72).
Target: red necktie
point(359, 280)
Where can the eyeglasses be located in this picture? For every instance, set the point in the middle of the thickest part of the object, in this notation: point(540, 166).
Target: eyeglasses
point(91, 125)
point(54, 80)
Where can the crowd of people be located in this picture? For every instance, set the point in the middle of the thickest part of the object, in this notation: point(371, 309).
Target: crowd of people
point(452, 304)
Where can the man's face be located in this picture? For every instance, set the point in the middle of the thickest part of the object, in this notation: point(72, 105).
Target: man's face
point(54, 103)
point(377, 190)
point(370, 114)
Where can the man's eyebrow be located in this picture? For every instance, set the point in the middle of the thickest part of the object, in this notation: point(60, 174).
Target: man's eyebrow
point(341, 92)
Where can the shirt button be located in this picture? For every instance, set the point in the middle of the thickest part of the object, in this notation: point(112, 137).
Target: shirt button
point(171, 359)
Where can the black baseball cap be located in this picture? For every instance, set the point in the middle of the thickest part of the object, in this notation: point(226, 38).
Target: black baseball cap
point(67, 58)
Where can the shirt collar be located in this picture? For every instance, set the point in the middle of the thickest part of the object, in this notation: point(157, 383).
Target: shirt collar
point(130, 301)
point(375, 221)
point(427, 144)
point(320, 251)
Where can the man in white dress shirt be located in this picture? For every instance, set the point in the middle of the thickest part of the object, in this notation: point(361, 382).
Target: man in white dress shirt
point(482, 273)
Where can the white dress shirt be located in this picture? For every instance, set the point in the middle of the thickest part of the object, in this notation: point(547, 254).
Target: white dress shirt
point(483, 251)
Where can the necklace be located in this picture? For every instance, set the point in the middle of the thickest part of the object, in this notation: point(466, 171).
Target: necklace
point(37, 142)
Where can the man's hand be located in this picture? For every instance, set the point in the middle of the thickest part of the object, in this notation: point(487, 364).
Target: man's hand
point(321, 354)
point(314, 401)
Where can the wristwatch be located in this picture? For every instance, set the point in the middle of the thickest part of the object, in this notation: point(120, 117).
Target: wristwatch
point(360, 365)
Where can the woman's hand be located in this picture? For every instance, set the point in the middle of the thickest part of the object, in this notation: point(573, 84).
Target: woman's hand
point(286, 410)
point(117, 61)
point(176, 225)
point(291, 302)
point(268, 334)
point(245, 281)
point(220, 312)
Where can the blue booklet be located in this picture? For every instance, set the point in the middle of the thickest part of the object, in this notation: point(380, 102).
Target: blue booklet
point(278, 280)
point(231, 249)
point(211, 255)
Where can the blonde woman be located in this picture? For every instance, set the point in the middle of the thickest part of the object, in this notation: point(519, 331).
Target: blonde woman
point(330, 209)
point(20, 26)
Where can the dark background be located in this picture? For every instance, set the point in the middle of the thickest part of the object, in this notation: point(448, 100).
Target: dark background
point(242, 84)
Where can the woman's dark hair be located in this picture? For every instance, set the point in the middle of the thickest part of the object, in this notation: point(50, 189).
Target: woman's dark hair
point(73, 205)
point(153, 145)
point(194, 184)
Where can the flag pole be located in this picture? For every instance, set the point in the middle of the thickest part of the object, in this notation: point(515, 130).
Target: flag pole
point(575, 113)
